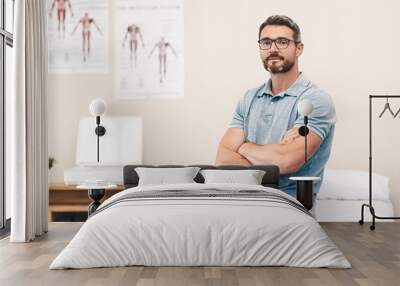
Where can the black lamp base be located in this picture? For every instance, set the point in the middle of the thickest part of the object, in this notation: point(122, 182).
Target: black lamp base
point(100, 130)
point(303, 130)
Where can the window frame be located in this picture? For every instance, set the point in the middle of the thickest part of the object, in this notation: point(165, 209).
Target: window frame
point(6, 39)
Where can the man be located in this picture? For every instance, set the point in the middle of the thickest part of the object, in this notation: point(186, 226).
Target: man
point(264, 128)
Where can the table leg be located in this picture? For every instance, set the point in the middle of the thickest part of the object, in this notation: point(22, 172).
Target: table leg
point(305, 193)
point(96, 195)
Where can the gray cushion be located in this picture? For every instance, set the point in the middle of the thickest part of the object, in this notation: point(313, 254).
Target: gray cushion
point(163, 176)
point(248, 177)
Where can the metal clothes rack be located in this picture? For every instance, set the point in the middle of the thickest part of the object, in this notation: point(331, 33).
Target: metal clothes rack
point(369, 205)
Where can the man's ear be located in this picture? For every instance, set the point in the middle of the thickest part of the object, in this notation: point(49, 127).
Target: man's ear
point(299, 49)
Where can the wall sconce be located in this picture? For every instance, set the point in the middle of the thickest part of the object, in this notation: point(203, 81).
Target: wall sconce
point(98, 108)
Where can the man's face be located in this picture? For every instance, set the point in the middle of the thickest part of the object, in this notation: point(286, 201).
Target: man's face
point(279, 60)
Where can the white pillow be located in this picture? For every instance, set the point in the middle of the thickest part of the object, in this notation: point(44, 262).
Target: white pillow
point(353, 185)
point(248, 177)
point(165, 176)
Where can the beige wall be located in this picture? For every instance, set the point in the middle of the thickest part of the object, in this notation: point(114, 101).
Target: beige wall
point(351, 50)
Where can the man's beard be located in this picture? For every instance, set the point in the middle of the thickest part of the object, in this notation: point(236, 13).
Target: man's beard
point(285, 67)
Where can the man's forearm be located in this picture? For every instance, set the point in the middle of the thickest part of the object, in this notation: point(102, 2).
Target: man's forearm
point(226, 156)
point(263, 154)
point(290, 156)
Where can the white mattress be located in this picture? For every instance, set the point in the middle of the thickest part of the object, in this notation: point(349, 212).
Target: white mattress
point(350, 210)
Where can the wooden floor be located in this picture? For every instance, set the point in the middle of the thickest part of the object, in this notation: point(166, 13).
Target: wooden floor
point(374, 255)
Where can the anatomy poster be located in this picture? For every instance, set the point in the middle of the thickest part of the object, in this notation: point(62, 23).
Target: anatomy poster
point(78, 36)
point(148, 48)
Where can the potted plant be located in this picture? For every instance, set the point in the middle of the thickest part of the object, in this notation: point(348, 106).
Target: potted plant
point(52, 161)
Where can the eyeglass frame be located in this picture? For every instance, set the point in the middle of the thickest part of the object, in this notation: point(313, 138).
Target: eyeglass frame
point(274, 42)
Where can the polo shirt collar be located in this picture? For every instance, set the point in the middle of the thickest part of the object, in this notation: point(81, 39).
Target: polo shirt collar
point(296, 89)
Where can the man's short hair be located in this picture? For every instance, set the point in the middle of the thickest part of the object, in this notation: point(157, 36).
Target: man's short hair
point(281, 20)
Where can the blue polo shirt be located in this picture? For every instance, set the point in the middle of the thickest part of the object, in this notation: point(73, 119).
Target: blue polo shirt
point(265, 118)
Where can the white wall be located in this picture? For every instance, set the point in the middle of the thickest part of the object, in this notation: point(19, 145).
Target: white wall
point(351, 50)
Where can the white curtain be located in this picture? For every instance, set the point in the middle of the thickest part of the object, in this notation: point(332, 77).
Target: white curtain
point(27, 123)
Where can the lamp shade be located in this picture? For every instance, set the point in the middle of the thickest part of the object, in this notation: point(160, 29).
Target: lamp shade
point(305, 107)
point(97, 107)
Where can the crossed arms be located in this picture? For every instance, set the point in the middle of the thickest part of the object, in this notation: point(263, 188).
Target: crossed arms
point(288, 155)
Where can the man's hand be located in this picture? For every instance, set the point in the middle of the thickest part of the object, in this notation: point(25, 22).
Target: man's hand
point(227, 153)
point(290, 136)
point(243, 148)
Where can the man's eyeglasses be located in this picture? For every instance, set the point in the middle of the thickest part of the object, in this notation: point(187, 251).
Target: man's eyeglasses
point(280, 43)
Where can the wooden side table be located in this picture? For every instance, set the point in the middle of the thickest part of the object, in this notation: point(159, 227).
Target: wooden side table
point(66, 199)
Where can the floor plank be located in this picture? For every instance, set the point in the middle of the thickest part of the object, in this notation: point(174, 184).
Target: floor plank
point(374, 255)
